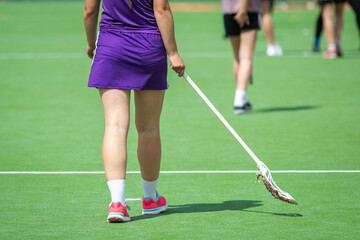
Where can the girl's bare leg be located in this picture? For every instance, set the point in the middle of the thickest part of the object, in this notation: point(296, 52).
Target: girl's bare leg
point(328, 23)
point(246, 53)
point(116, 110)
point(339, 12)
point(243, 49)
point(148, 106)
point(235, 43)
point(267, 23)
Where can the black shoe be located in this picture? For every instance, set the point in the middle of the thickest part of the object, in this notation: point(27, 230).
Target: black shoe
point(339, 51)
point(316, 49)
point(246, 108)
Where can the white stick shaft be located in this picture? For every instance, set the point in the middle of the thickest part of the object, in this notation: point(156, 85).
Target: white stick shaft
point(222, 119)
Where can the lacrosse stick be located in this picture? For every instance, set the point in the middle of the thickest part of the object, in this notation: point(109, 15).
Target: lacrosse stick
point(264, 170)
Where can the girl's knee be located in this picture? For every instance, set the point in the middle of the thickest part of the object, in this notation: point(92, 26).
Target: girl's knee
point(150, 128)
point(119, 124)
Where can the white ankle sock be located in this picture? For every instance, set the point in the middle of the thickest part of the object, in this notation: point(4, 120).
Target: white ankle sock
point(331, 47)
point(117, 190)
point(149, 188)
point(240, 98)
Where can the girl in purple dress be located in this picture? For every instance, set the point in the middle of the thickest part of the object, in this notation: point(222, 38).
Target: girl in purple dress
point(134, 40)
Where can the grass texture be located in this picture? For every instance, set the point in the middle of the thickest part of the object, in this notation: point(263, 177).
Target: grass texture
point(306, 116)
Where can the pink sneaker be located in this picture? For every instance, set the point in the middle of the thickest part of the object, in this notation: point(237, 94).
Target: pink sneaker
point(151, 206)
point(118, 213)
point(329, 54)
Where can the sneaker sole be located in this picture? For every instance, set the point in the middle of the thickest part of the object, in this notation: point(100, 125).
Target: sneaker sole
point(154, 211)
point(239, 111)
point(117, 219)
point(332, 56)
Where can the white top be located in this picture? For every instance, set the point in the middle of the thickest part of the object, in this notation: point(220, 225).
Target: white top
point(233, 6)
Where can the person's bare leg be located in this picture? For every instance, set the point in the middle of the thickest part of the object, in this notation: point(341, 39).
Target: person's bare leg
point(116, 110)
point(328, 23)
point(267, 23)
point(148, 106)
point(273, 49)
point(246, 54)
point(235, 44)
point(240, 98)
point(243, 47)
point(339, 23)
point(329, 30)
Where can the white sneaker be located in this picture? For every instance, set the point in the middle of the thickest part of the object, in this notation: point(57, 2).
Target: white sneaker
point(274, 50)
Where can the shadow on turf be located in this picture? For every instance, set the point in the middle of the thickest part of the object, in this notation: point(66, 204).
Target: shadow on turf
point(239, 205)
point(281, 109)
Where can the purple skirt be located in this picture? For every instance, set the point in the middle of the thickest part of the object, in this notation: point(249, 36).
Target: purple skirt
point(128, 60)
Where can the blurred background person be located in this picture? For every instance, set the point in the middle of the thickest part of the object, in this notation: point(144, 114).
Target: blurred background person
point(242, 21)
point(332, 31)
point(273, 49)
point(355, 4)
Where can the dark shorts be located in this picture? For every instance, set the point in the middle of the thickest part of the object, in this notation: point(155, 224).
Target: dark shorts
point(323, 2)
point(232, 28)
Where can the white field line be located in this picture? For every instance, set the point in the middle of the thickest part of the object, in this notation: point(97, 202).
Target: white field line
point(79, 55)
point(179, 172)
point(133, 199)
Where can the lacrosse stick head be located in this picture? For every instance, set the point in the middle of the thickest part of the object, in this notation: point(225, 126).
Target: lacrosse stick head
point(271, 186)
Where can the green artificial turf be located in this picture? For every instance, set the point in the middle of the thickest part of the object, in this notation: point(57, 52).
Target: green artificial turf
point(306, 116)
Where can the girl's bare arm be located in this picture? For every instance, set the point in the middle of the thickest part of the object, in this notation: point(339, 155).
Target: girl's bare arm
point(91, 13)
point(165, 22)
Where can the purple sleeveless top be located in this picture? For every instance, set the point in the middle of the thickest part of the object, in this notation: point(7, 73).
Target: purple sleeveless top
point(129, 16)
